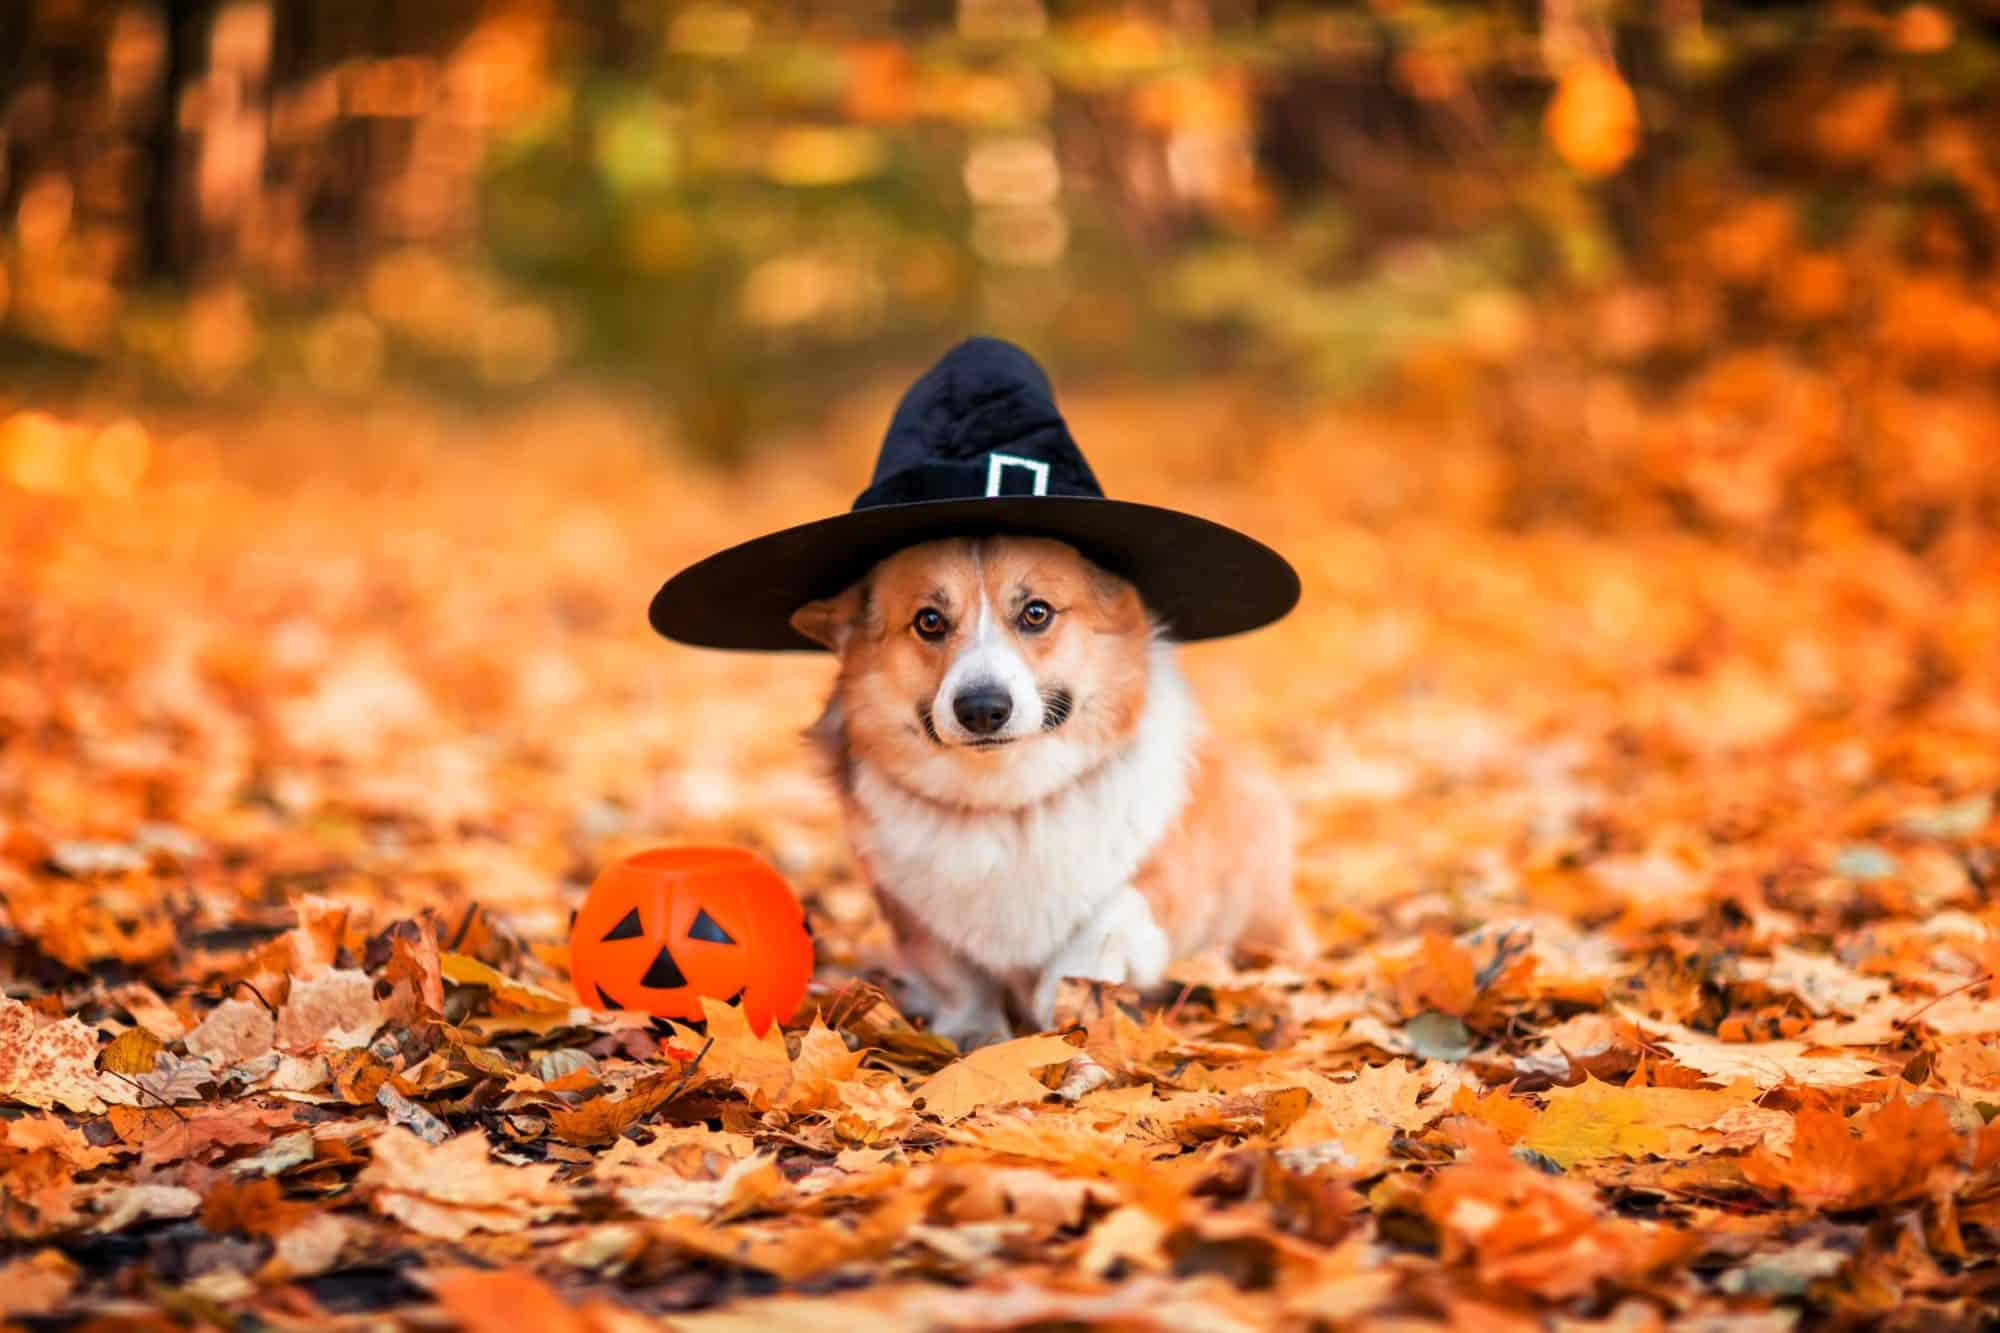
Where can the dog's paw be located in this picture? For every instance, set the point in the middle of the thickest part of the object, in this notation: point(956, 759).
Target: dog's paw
point(971, 1026)
point(1122, 945)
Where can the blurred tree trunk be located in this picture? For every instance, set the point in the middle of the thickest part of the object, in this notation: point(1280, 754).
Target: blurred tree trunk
point(169, 248)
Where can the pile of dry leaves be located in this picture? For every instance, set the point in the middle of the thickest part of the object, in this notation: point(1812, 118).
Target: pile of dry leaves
point(1653, 876)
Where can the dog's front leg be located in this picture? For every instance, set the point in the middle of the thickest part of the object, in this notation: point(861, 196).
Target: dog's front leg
point(964, 1001)
point(1122, 944)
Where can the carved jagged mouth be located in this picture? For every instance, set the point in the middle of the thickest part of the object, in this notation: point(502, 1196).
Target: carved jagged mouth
point(1056, 706)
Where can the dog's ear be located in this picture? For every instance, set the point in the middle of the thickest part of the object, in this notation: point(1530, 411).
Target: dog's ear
point(1119, 601)
point(830, 620)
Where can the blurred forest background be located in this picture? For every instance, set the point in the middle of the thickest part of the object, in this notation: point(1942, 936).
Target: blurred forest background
point(1732, 258)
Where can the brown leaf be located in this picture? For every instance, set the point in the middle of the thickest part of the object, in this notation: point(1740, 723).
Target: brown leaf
point(336, 1008)
point(454, 1188)
point(414, 973)
point(204, 1135)
point(234, 1031)
point(402, 1111)
point(602, 1119)
point(256, 1207)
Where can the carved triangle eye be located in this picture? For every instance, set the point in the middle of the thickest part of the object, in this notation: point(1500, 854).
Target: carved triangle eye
point(664, 974)
point(706, 927)
point(628, 927)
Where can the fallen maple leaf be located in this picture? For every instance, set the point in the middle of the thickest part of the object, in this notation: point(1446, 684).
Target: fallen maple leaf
point(36, 1284)
point(30, 1132)
point(53, 1064)
point(1509, 1116)
point(336, 1008)
point(1765, 1063)
point(1442, 976)
point(414, 973)
point(512, 992)
point(455, 1188)
point(602, 1119)
point(1539, 1233)
point(257, 1207)
point(233, 1032)
point(487, 1301)
point(125, 1204)
point(759, 1067)
point(1823, 984)
point(1596, 1119)
point(1901, 1151)
point(823, 1064)
point(312, 1246)
point(745, 1185)
point(1385, 1094)
point(993, 1076)
point(204, 1135)
point(39, 1195)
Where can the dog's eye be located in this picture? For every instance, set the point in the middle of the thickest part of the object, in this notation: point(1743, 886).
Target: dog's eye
point(929, 624)
point(1036, 615)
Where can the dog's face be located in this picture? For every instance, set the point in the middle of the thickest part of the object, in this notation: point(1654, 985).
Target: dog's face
point(985, 672)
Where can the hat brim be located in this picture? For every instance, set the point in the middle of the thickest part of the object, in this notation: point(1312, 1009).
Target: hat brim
point(1201, 579)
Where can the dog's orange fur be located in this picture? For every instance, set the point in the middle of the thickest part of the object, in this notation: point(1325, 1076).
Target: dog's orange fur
point(1216, 875)
point(1223, 874)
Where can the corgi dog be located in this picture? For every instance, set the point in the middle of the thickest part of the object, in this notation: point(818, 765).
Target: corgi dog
point(1027, 783)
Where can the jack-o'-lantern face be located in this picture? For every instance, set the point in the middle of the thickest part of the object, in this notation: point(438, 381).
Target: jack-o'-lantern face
point(659, 931)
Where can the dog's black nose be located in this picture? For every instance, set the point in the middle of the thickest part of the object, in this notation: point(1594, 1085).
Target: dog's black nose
point(983, 709)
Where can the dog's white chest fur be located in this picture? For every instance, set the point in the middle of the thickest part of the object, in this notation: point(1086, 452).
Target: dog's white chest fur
point(1007, 888)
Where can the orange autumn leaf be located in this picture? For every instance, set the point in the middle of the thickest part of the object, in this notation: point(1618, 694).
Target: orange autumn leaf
point(485, 1301)
point(256, 1207)
point(1521, 1228)
point(1442, 976)
point(1905, 1150)
point(1509, 1116)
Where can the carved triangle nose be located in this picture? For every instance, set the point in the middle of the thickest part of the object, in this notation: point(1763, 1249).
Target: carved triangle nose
point(665, 973)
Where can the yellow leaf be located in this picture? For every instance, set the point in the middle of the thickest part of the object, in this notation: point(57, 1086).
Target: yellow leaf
point(1597, 1119)
point(760, 1067)
point(823, 1063)
point(993, 1076)
point(467, 971)
point(1383, 1094)
point(135, 1052)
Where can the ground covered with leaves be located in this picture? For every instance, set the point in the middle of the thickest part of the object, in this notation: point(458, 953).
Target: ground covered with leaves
point(1651, 858)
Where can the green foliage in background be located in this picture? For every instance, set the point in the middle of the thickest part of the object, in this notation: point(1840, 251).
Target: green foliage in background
point(744, 207)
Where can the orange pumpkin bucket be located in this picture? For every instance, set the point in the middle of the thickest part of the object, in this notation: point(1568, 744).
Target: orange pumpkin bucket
point(660, 930)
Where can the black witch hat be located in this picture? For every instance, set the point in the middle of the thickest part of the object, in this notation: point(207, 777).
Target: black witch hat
point(977, 448)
